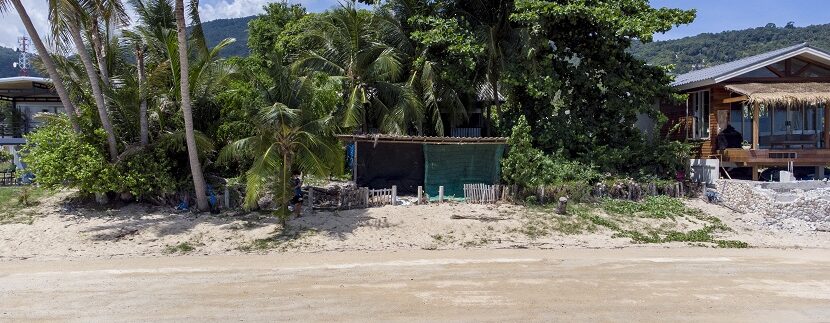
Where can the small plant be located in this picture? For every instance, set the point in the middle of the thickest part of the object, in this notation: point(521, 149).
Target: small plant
point(183, 248)
point(746, 145)
point(24, 196)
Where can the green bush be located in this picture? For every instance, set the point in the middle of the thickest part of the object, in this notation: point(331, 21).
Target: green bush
point(60, 158)
point(527, 166)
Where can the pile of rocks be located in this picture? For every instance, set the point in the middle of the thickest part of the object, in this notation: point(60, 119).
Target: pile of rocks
point(779, 203)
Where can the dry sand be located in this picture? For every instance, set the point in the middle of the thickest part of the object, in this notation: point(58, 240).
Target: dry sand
point(58, 231)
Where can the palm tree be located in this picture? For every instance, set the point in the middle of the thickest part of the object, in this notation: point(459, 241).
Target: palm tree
point(359, 49)
point(294, 132)
point(67, 18)
point(187, 110)
point(46, 58)
point(491, 20)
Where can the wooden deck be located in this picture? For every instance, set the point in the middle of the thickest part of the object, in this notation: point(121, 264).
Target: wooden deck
point(776, 157)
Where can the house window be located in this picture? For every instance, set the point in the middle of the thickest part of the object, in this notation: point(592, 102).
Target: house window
point(699, 111)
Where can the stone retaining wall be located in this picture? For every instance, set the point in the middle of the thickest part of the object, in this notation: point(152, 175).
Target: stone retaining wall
point(806, 201)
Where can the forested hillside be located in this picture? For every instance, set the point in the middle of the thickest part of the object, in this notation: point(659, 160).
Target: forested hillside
point(686, 54)
point(7, 57)
point(705, 50)
point(219, 29)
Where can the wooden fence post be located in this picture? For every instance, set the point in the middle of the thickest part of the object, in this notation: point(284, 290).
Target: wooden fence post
point(227, 198)
point(440, 194)
point(420, 195)
point(311, 199)
point(394, 195)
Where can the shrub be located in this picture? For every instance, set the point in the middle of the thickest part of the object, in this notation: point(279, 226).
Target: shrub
point(530, 167)
point(60, 158)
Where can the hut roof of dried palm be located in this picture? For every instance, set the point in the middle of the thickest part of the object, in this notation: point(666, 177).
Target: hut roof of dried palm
point(783, 93)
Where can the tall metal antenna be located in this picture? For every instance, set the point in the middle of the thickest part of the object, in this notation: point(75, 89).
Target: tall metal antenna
point(23, 63)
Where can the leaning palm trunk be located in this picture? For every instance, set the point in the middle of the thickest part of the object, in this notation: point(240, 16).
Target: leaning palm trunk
point(190, 137)
point(142, 111)
point(100, 103)
point(50, 65)
point(100, 52)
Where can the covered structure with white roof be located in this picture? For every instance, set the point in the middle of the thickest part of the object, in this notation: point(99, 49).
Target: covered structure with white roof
point(28, 96)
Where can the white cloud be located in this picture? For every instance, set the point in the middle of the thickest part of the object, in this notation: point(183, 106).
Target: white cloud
point(209, 10)
point(13, 26)
point(243, 8)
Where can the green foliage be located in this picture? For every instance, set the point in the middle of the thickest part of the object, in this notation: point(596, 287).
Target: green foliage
point(13, 200)
point(58, 158)
point(6, 161)
point(266, 31)
point(586, 91)
point(293, 129)
point(658, 207)
point(705, 50)
point(530, 167)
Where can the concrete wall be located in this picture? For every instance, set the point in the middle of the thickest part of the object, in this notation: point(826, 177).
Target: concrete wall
point(806, 201)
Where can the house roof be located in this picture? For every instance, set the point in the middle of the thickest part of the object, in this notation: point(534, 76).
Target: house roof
point(783, 93)
point(423, 139)
point(27, 88)
point(723, 72)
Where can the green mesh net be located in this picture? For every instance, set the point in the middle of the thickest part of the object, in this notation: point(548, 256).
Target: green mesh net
point(452, 166)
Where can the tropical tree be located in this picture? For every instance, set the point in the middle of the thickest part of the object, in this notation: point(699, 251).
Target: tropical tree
point(46, 58)
point(186, 105)
point(360, 50)
point(294, 130)
point(67, 18)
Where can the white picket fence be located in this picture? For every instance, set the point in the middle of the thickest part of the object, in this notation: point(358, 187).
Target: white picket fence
point(384, 196)
point(483, 193)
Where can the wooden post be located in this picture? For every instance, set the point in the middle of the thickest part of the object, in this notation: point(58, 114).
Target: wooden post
point(827, 125)
point(420, 195)
point(562, 208)
point(394, 195)
point(756, 117)
point(227, 198)
point(311, 199)
point(440, 194)
point(354, 164)
point(754, 173)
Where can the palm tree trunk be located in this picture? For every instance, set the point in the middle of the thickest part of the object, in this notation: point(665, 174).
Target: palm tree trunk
point(50, 66)
point(100, 103)
point(142, 86)
point(190, 136)
point(100, 52)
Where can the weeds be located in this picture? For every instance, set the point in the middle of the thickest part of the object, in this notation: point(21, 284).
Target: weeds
point(620, 216)
point(181, 248)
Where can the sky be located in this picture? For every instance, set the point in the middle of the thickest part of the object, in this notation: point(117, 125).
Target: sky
point(713, 15)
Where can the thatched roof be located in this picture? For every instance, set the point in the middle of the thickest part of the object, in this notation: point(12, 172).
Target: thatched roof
point(783, 93)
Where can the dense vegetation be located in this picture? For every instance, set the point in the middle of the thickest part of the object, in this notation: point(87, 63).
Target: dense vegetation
point(157, 114)
point(705, 50)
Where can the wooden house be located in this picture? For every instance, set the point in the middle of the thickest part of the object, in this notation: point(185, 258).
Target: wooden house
point(776, 102)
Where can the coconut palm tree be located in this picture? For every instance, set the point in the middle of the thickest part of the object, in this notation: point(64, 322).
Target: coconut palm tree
point(46, 58)
point(294, 132)
point(67, 18)
point(186, 106)
point(358, 48)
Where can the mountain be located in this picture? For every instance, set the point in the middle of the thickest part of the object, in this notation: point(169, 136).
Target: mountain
point(686, 54)
point(704, 50)
point(217, 30)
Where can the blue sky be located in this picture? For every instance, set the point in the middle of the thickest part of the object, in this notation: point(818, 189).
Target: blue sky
point(713, 15)
point(720, 15)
